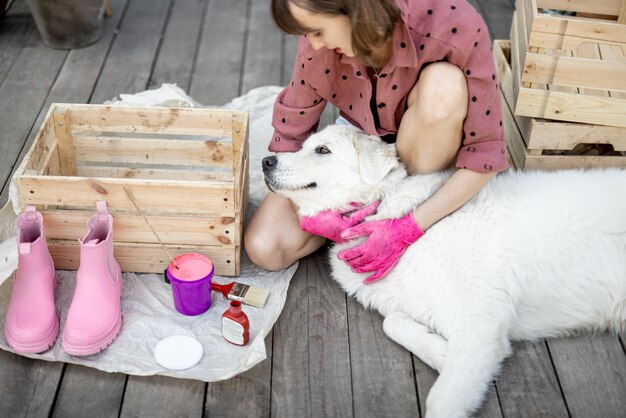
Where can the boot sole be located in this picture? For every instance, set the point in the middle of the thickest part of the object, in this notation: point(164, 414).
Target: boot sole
point(36, 346)
point(93, 348)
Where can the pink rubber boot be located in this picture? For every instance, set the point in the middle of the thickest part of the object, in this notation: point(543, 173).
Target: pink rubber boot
point(95, 317)
point(31, 324)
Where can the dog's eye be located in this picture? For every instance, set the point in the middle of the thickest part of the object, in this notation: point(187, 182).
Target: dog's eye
point(322, 150)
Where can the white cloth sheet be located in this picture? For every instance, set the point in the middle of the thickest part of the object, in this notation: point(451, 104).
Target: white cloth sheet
point(147, 306)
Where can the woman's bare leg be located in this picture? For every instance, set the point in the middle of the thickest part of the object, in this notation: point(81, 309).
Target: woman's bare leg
point(430, 133)
point(273, 239)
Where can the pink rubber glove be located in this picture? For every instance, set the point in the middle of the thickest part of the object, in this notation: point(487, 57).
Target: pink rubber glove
point(381, 251)
point(331, 223)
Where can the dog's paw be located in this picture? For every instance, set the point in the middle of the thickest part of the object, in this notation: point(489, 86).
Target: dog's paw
point(392, 208)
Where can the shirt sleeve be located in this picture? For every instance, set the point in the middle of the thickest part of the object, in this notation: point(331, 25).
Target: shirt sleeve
point(298, 107)
point(484, 148)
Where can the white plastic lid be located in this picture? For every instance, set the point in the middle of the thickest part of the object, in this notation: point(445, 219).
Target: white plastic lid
point(178, 352)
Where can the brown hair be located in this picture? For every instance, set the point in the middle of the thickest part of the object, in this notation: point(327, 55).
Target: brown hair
point(372, 21)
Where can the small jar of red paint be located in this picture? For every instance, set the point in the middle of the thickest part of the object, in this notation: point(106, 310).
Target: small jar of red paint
point(235, 324)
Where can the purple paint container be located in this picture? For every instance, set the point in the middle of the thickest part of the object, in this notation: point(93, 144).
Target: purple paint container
point(191, 283)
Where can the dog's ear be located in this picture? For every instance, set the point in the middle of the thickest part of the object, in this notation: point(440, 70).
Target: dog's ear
point(376, 159)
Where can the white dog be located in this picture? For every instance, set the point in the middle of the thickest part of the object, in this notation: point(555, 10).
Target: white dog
point(533, 255)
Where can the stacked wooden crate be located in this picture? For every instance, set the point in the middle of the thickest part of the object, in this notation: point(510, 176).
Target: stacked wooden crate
point(563, 80)
point(185, 169)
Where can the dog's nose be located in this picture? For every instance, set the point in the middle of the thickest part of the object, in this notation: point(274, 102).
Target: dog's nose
point(269, 163)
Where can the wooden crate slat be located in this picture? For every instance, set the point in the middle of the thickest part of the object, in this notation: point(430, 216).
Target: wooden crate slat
point(550, 54)
point(240, 137)
point(604, 7)
point(65, 143)
point(509, 80)
point(518, 48)
point(34, 160)
point(546, 134)
point(242, 175)
point(149, 194)
point(614, 53)
point(153, 151)
point(90, 170)
point(51, 164)
point(589, 50)
point(526, 10)
point(558, 162)
point(161, 120)
point(574, 72)
point(621, 16)
point(128, 227)
point(548, 31)
point(514, 140)
point(146, 258)
point(567, 107)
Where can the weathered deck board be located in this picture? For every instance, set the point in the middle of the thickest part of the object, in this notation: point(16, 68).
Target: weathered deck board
point(592, 374)
point(23, 94)
point(311, 364)
point(250, 394)
point(425, 378)
point(216, 78)
point(328, 345)
point(160, 396)
point(383, 367)
point(528, 385)
point(28, 386)
point(89, 392)
point(14, 31)
point(498, 15)
point(129, 63)
point(290, 354)
point(177, 53)
point(262, 62)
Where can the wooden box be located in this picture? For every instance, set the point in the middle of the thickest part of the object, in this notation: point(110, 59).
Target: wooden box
point(571, 68)
point(186, 168)
point(548, 144)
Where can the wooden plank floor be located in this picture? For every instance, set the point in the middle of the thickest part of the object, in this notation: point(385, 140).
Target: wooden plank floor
point(327, 355)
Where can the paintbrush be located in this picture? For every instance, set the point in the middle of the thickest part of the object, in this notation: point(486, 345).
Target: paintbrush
point(250, 295)
point(132, 199)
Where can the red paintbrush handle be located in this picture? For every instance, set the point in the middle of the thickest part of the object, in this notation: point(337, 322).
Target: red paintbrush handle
point(222, 288)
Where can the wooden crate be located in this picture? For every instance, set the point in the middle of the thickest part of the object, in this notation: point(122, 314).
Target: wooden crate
point(539, 143)
point(571, 68)
point(187, 169)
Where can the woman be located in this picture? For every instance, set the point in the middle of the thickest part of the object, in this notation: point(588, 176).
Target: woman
point(416, 72)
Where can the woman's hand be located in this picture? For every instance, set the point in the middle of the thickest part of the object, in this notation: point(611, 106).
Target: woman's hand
point(386, 242)
point(331, 223)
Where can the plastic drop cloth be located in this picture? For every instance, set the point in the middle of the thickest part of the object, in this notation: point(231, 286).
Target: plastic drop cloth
point(147, 306)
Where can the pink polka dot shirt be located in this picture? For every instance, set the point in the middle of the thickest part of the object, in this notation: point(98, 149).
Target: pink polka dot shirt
point(429, 31)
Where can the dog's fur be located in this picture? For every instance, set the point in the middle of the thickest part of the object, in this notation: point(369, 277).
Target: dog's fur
point(533, 255)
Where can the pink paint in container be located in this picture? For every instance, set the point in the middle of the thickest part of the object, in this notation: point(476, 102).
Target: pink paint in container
point(191, 283)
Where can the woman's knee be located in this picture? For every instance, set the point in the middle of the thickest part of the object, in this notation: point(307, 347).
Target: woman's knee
point(440, 94)
point(264, 252)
